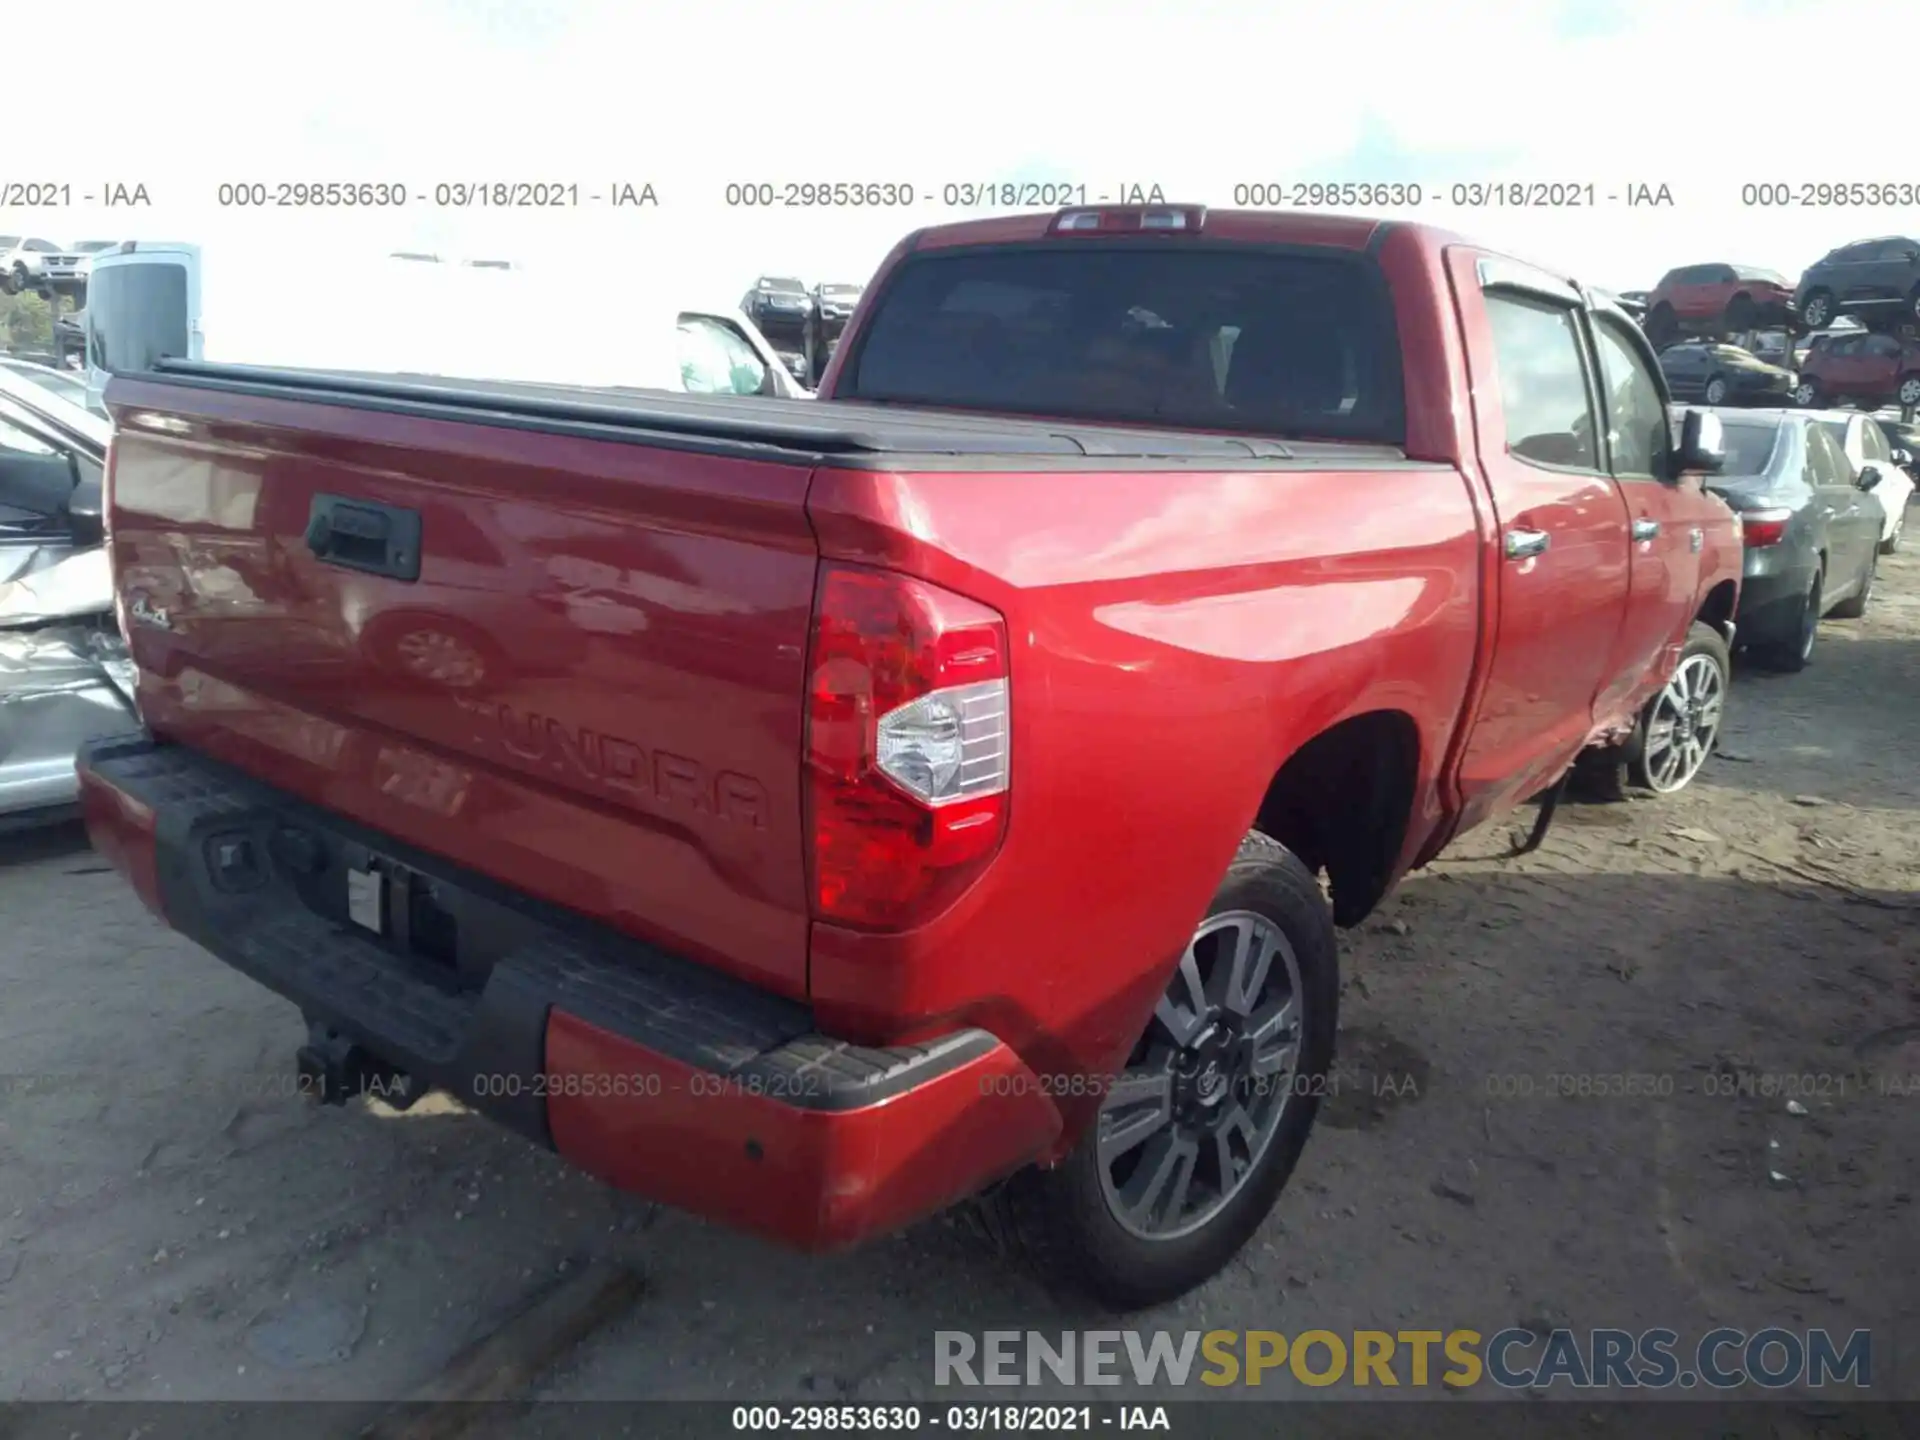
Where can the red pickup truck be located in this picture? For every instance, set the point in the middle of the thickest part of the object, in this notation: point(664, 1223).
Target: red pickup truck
point(814, 813)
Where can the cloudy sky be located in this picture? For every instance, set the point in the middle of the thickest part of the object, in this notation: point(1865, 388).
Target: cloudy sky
point(1196, 96)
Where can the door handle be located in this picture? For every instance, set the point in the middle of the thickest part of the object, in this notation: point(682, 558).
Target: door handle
point(1645, 529)
point(1695, 539)
point(1525, 544)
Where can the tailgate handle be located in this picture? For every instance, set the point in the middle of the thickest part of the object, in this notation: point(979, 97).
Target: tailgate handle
point(365, 535)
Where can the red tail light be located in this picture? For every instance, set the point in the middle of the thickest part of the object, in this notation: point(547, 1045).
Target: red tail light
point(908, 732)
point(1764, 527)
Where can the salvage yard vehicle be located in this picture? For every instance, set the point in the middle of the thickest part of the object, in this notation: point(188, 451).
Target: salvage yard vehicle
point(64, 672)
point(1866, 368)
point(1722, 374)
point(1876, 281)
point(1865, 444)
point(944, 816)
point(1810, 527)
point(1716, 300)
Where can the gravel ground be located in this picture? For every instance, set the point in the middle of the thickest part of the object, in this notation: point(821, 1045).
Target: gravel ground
point(175, 1223)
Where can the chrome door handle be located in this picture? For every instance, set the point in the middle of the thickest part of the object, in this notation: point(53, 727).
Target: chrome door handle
point(1645, 529)
point(1695, 539)
point(1524, 544)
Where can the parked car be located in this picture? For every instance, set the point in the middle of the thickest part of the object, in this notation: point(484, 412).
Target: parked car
point(1866, 368)
point(1716, 300)
point(832, 308)
point(1867, 448)
point(779, 305)
point(1903, 439)
point(1877, 280)
point(822, 896)
point(86, 250)
point(1804, 343)
point(64, 672)
point(63, 383)
point(1722, 374)
point(31, 263)
point(1811, 532)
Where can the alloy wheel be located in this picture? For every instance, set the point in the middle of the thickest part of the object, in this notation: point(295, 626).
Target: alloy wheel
point(1186, 1123)
point(1685, 723)
point(1910, 390)
point(1817, 313)
point(1803, 393)
point(1716, 392)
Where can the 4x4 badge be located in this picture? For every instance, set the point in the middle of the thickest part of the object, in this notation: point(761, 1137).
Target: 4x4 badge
point(142, 612)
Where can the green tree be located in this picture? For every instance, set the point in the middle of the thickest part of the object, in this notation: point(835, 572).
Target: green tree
point(27, 321)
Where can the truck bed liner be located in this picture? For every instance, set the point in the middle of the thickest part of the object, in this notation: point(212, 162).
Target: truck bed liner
point(796, 431)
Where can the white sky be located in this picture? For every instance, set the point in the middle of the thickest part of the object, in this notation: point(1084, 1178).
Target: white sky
point(1194, 95)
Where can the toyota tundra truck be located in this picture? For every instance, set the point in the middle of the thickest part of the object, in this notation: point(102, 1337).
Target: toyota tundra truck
point(948, 789)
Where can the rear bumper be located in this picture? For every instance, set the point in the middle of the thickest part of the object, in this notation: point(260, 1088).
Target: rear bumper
point(659, 1075)
point(1771, 592)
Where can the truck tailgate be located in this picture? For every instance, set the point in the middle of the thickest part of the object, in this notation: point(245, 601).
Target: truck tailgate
point(572, 663)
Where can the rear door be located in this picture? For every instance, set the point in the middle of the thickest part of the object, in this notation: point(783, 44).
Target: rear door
point(1666, 524)
point(1562, 527)
point(1853, 521)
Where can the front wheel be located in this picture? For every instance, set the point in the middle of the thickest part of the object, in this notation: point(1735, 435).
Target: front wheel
point(1197, 1134)
point(1805, 394)
point(1680, 726)
point(1817, 313)
point(1909, 392)
point(1716, 391)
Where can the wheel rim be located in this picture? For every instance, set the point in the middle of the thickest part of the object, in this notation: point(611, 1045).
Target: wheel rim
point(435, 655)
point(1803, 394)
point(1816, 312)
point(1716, 391)
point(1187, 1122)
point(1910, 392)
point(1685, 723)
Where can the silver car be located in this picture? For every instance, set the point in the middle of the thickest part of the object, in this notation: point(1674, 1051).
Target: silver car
point(64, 672)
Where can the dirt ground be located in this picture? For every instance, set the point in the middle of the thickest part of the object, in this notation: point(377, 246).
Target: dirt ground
point(175, 1223)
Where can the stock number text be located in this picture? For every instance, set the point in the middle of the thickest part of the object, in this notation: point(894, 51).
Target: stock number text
point(1825, 195)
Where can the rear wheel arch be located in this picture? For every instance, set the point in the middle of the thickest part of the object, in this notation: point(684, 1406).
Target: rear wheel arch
point(1342, 803)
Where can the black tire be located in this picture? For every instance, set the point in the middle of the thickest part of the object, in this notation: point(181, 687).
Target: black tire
point(1913, 305)
point(1891, 544)
point(1060, 1222)
point(1703, 642)
point(9, 282)
point(1818, 312)
point(1907, 394)
point(1855, 605)
point(1806, 394)
point(1740, 315)
point(1662, 327)
point(1600, 776)
point(1794, 654)
point(1706, 392)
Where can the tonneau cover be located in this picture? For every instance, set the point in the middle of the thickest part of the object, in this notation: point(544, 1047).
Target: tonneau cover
point(818, 429)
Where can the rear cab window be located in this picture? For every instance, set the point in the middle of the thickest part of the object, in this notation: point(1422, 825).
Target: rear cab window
point(1286, 342)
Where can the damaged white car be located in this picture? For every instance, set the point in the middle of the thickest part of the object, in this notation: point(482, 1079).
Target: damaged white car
point(64, 672)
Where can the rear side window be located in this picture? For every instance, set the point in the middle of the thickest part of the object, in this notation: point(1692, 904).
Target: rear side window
point(1543, 383)
point(1256, 341)
point(1827, 454)
point(137, 313)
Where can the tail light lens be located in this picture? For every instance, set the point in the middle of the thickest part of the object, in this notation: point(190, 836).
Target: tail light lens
point(1764, 527)
point(908, 746)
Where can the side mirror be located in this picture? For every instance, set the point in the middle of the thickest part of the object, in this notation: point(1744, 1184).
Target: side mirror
point(1703, 443)
point(1869, 477)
